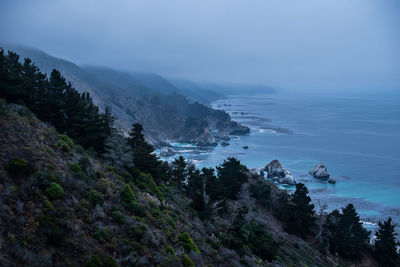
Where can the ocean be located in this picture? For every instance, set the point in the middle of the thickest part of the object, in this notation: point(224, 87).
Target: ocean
point(357, 137)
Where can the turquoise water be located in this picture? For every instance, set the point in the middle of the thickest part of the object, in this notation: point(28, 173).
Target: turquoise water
point(358, 138)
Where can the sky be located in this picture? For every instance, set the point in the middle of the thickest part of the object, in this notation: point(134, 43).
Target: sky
point(300, 45)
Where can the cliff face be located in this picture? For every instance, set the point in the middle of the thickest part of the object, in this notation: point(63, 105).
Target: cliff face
point(161, 108)
point(62, 206)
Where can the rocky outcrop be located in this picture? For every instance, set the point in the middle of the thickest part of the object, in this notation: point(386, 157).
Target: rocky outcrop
point(320, 171)
point(274, 169)
point(278, 174)
point(332, 180)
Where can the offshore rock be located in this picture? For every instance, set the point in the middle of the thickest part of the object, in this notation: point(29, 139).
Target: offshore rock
point(274, 169)
point(320, 171)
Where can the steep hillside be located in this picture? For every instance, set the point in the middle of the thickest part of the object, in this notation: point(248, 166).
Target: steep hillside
point(62, 206)
point(165, 117)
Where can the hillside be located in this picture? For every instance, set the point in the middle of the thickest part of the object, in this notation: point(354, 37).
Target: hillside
point(145, 98)
point(62, 206)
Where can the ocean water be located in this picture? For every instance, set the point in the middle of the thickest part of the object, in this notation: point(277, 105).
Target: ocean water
point(357, 137)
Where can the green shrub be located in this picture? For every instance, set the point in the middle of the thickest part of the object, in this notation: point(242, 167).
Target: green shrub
point(54, 191)
point(75, 168)
point(48, 206)
point(137, 231)
point(118, 216)
point(170, 250)
point(101, 260)
point(127, 195)
point(95, 197)
point(187, 243)
point(18, 167)
point(102, 234)
point(187, 261)
point(66, 139)
point(146, 183)
point(137, 208)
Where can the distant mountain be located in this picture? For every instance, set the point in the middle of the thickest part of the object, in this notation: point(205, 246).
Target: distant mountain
point(195, 91)
point(163, 110)
point(237, 88)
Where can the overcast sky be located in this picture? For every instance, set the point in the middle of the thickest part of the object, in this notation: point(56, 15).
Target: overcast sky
point(309, 44)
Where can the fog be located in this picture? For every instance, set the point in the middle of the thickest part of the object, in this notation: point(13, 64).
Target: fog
point(299, 45)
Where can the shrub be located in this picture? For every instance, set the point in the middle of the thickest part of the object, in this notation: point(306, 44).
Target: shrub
point(54, 191)
point(75, 168)
point(137, 208)
point(187, 243)
point(170, 250)
point(66, 139)
point(137, 231)
point(118, 216)
point(187, 261)
point(48, 206)
point(127, 195)
point(101, 260)
point(102, 234)
point(261, 191)
point(18, 166)
point(95, 197)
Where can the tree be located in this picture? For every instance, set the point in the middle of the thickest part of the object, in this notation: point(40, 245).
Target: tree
point(179, 171)
point(385, 250)
point(302, 217)
point(231, 175)
point(117, 150)
point(345, 233)
point(143, 157)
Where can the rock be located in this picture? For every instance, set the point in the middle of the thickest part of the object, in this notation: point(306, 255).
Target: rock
point(332, 180)
point(167, 152)
point(320, 171)
point(225, 144)
point(246, 147)
point(288, 179)
point(274, 169)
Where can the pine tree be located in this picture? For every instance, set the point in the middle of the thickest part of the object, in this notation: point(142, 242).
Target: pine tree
point(346, 234)
point(179, 171)
point(143, 157)
point(385, 250)
point(302, 212)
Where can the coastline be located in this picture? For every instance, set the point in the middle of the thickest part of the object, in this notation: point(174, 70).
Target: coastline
point(267, 141)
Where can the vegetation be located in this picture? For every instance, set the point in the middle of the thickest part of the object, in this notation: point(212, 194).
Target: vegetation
point(71, 206)
point(385, 247)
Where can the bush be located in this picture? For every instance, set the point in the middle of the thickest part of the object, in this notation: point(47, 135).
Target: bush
point(18, 167)
point(137, 208)
point(137, 231)
point(170, 250)
point(261, 191)
point(75, 168)
point(102, 234)
point(118, 216)
point(187, 261)
point(187, 243)
point(66, 139)
point(101, 260)
point(95, 197)
point(54, 191)
point(127, 195)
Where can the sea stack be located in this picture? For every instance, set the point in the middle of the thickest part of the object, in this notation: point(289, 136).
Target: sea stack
point(274, 169)
point(320, 171)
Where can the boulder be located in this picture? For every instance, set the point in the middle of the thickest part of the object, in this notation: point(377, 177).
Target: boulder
point(288, 179)
point(332, 180)
point(320, 171)
point(274, 169)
